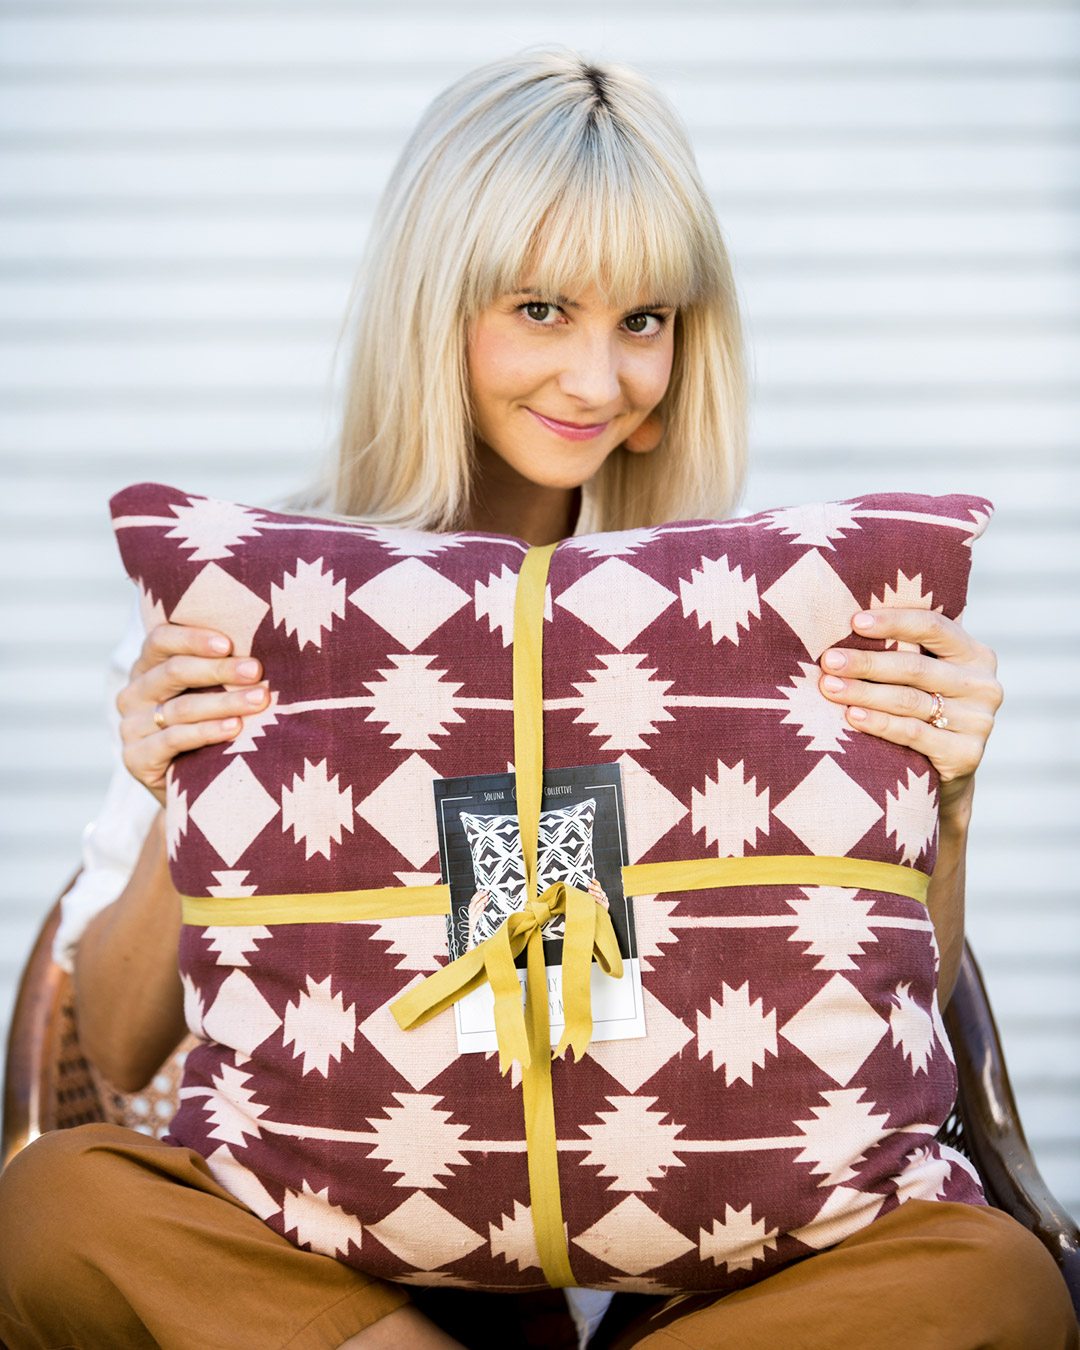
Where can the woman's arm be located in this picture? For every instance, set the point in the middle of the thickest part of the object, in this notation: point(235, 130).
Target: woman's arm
point(128, 996)
point(891, 694)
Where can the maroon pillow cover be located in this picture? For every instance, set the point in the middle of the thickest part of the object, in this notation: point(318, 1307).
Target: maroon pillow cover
point(794, 1069)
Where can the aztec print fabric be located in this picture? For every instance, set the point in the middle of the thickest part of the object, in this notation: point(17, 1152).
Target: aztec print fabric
point(795, 1068)
point(564, 854)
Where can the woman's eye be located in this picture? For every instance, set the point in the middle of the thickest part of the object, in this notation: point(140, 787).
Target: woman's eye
point(643, 325)
point(540, 311)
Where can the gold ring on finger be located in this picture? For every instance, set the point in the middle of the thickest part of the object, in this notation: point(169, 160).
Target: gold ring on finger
point(937, 716)
point(159, 718)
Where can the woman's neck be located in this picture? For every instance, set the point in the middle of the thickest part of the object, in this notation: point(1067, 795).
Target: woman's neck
point(503, 502)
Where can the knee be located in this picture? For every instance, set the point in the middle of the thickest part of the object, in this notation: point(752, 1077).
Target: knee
point(51, 1195)
point(1022, 1291)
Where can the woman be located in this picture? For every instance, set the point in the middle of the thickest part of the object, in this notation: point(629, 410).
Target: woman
point(547, 341)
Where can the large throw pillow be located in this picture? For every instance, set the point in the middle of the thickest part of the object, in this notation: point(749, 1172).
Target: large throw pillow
point(794, 1069)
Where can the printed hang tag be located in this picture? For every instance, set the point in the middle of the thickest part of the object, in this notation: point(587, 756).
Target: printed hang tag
point(582, 841)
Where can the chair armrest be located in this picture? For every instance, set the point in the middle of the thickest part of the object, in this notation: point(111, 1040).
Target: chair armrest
point(993, 1133)
point(33, 1027)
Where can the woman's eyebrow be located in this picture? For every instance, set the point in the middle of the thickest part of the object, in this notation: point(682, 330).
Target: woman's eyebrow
point(565, 301)
point(556, 299)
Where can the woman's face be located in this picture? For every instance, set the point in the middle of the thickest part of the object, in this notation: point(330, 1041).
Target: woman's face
point(558, 382)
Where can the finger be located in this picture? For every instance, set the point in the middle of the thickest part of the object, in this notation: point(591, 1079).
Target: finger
point(932, 674)
point(909, 701)
point(952, 754)
point(174, 639)
point(938, 634)
point(148, 757)
point(178, 673)
point(209, 707)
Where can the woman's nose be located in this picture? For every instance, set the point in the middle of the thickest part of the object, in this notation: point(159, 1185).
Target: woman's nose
point(590, 374)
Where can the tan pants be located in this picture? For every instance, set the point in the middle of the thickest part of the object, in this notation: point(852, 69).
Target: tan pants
point(110, 1240)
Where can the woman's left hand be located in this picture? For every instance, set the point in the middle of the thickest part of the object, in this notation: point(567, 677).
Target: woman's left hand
point(891, 693)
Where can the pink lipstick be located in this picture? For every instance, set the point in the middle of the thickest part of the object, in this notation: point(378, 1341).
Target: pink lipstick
point(571, 431)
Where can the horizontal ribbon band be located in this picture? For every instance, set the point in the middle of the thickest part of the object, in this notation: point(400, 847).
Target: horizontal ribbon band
point(387, 902)
point(700, 874)
point(695, 874)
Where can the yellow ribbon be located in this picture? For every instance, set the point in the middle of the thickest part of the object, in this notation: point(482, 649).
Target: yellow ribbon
point(700, 874)
point(588, 933)
point(526, 1035)
point(386, 902)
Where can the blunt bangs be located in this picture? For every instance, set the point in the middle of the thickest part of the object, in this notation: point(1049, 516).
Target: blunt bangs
point(582, 206)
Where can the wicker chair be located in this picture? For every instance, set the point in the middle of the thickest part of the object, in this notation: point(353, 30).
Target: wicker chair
point(50, 1085)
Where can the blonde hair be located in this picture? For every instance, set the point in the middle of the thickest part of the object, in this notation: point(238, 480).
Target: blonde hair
point(577, 175)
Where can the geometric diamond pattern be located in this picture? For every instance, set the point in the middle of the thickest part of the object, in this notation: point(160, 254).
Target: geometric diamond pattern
point(641, 601)
point(307, 601)
point(212, 529)
point(840, 1135)
point(215, 599)
point(912, 1029)
point(400, 810)
point(651, 810)
point(837, 1029)
point(835, 922)
point(233, 811)
point(828, 810)
point(822, 722)
point(911, 815)
point(813, 601)
point(414, 701)
point(432, 600)
point(514, 1238)
point(418, 1055)
point(632, 1238)
point(816, 523)
point(320, 1226)
point(623, 701)
point(423, 1234)
point(686, 651)
point(633, 1063)
point(239, 1016)
point(718, 595)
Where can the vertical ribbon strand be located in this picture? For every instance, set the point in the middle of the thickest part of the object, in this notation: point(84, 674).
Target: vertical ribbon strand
point(540, 1138)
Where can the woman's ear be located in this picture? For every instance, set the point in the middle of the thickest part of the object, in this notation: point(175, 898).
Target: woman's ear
point(647, 436)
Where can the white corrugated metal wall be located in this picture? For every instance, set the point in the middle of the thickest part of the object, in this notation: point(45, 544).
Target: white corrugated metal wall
point(185, 189)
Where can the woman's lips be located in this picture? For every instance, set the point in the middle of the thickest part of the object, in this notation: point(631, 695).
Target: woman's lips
point(571, 431)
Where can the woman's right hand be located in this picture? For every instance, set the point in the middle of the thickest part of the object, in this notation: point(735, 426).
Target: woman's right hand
point(164, 709)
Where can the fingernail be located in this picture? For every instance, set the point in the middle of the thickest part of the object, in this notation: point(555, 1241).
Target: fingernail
point(219, 645)
point(230, 724)
point(832, 684)
point(857, 714)
point(248, 670)
point(255, 695)
point(863, 620)
point(834, 660)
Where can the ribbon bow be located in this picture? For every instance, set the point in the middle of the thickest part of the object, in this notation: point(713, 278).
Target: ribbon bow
point(523, 1033)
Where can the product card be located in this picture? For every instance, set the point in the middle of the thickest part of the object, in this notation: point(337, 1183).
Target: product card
point(582, 841)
